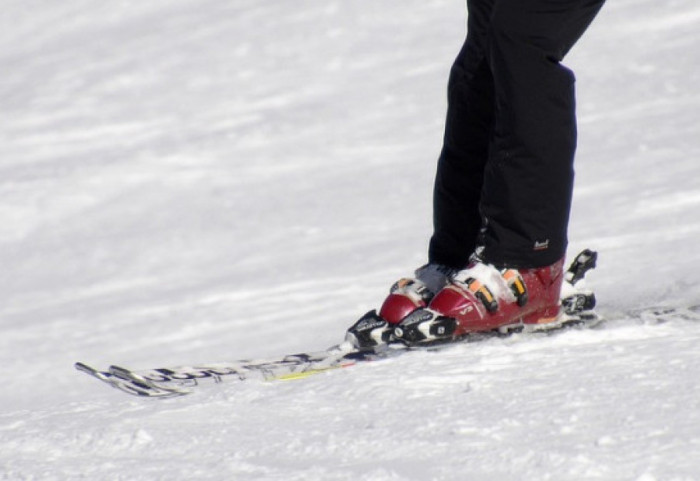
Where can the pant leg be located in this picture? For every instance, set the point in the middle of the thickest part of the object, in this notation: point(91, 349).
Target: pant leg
point(465, 151)
point(528, 179)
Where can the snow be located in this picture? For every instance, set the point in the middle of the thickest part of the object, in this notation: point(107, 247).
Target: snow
point(202, 181)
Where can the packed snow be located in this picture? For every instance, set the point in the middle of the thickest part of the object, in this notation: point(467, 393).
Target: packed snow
point(185, 182)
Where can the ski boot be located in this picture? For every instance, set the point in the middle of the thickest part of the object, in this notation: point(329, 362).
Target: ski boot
point(483, 298)
point(406, 296)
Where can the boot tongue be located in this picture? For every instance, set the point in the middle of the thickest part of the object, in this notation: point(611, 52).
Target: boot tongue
point(489, 276)
point(434, 276)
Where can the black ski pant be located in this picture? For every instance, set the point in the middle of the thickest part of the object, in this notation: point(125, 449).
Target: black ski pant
point(505, 174)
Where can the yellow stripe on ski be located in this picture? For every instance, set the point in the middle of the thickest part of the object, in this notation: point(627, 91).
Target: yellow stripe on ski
point(293, 376)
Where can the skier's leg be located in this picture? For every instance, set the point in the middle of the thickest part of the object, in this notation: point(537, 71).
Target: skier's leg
point(486, 147)
point(515, 282)
point(468, 128)
point(458, 183)
point(528, 180)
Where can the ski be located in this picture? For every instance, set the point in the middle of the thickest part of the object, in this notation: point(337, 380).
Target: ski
point(577, 305)
point(169, 382)
point(182, 380)
point(577, 309)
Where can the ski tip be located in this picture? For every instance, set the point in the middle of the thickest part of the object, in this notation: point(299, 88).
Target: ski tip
point(81, 366)
point(152, 389)
point(130, 382)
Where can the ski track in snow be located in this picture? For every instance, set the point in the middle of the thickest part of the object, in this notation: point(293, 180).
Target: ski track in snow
point(192, 182)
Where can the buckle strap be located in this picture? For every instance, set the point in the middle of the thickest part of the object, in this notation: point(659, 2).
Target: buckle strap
point(516, 284)
point(412, 288)
point(482, 293)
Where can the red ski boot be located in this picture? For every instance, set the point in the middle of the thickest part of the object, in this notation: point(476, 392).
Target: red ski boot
point(406, 296)
point(477, 299)
point(409, 294)
point(484, 298)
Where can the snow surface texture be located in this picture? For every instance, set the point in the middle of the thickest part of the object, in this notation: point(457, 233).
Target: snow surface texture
point(198, 181)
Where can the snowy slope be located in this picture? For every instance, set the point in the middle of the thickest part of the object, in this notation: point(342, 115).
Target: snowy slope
point(195, 181)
